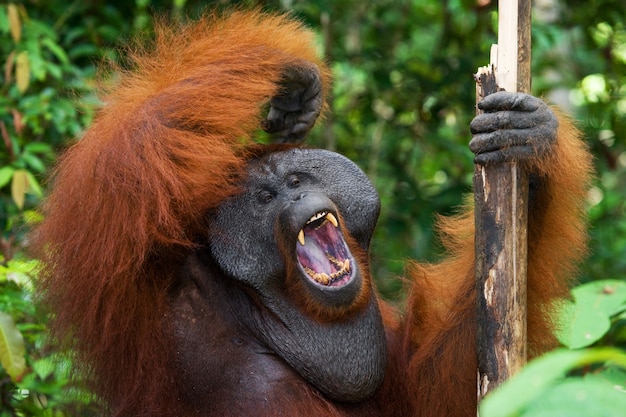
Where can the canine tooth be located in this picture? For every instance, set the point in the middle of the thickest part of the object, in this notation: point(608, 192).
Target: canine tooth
point(331, 218)
point(346, 265)
point(301, 237)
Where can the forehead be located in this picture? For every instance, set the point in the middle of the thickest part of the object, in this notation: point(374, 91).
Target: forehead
point(277, 165)
point(270, 166)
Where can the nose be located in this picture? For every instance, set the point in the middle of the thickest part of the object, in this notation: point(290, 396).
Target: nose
point(299, 196)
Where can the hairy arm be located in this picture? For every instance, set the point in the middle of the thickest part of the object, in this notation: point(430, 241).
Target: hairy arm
point(440, 329)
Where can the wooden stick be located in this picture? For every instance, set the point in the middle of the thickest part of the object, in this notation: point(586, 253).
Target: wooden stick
point(501, 206)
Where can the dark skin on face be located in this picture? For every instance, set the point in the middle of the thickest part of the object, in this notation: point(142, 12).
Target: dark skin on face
point(295, 243)
point(257, 255)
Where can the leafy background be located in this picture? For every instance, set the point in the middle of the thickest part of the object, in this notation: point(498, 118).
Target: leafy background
point(402, 100)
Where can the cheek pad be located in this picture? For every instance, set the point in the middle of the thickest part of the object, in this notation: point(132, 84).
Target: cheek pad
point(242, 241)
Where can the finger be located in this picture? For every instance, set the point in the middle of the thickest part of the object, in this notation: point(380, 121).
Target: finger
point(294, 110)
point(504, 100)
point(510, 141)
point(522, 153)
point(489, 122)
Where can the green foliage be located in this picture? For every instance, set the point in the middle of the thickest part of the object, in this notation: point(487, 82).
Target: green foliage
point(597, 307)
point(11, 347)
point(592, 72)
point(402, 100)
point(586, 380)
point(38, 113)
point(34, 381)
point(541, 389)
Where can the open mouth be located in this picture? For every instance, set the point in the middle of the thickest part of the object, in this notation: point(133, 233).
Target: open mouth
point(322, 251)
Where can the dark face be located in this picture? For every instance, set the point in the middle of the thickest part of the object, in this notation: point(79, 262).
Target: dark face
point(298, 211)
point(298, 235)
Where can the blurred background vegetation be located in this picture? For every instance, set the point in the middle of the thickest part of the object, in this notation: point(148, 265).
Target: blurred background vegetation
point(402, 100)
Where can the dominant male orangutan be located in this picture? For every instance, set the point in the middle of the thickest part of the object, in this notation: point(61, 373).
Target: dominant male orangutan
point(196, 273)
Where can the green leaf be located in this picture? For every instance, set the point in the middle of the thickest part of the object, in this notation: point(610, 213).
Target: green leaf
point(44, 367)
point(33, 185)
point(588, 318)
point(12, 348)
point(15, 22)
point(513, 397)
point(608, 296)
point(32, 217)
point(38, 147)
point(34, 161)
point(22, 271)
point(582, 324)
point(614, 376)
point(22, 71)
point(6, 173)
point(56, 50)
point(585, 397)
point(19, 186)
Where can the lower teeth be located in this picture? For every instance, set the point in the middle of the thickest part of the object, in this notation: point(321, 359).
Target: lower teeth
point(324, 278)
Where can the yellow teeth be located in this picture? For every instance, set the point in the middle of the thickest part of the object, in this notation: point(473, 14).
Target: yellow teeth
point(324, 278)
point(322, 214)
point(331, 218)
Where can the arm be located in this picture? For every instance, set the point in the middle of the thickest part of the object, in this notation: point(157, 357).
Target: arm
point(129, 200)
point(559, 166)
point(441, 321)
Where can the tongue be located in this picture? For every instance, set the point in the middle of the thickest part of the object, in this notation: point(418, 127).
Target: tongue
point(313, 256)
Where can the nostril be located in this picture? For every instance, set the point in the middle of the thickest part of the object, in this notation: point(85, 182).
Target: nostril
point(299, 196)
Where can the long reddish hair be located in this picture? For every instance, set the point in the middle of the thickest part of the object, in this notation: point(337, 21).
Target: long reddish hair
point(130, 196)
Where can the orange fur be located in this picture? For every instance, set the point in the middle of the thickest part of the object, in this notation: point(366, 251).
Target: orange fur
point(132, 193)
point(129, 200)
point(440, 333)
